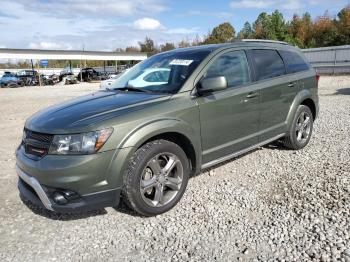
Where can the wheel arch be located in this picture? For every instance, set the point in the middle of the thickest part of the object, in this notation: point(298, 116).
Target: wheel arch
point(182, 141)
point(174, 130)
point(304, 97)
point(310, 104)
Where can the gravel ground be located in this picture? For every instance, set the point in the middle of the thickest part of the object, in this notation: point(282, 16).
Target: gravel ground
point(270, 204)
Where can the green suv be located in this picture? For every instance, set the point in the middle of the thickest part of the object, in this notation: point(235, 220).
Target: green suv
point(141, 139)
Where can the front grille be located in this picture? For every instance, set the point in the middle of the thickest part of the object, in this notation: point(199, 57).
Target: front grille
point(36, 144)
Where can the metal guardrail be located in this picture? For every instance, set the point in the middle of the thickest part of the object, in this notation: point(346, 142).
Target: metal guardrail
point(329, 60)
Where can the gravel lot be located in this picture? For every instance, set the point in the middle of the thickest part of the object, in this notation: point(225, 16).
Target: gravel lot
point(266, 205)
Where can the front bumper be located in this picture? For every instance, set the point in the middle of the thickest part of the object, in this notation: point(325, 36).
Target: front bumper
point(41, 196)
point(84, 174)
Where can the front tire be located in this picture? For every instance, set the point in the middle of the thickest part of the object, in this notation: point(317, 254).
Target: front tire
point(300, 132)
point(156, 178)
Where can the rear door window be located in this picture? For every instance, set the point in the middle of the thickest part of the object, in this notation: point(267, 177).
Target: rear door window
point(268, 64)
point(294, 62)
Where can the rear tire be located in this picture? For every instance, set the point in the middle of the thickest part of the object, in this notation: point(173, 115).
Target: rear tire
point(156, 178)
point(300, 132)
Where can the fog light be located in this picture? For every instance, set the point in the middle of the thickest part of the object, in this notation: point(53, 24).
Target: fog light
point(70, 195)
point(59, 198)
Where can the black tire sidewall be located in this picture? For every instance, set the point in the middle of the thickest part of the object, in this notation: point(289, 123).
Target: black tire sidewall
point(157, 147)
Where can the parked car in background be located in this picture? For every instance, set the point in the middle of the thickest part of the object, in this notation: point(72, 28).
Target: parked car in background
point(67, 71)
point(11, 80)
point(69, 80)
point(155, 76)
point(165, 120)
point(89, 74)
point(29, 77)
point(47, 80)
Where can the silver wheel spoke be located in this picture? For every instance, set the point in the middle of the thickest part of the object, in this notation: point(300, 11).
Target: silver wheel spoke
point(303, 127)
point(158, 195)
point(149, 183)
point(300, 135)
point(155, 166)
point(173, 183)
point(306, 121)
point(169, 166)
point(299, 127)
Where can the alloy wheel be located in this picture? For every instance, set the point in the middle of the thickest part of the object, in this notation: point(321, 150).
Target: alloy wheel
point(161, 179)
point(303, 127)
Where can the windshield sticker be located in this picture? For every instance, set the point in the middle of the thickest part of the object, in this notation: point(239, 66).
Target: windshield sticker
point(181, 62)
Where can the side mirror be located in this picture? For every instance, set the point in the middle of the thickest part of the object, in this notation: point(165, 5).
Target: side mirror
point(212, 84)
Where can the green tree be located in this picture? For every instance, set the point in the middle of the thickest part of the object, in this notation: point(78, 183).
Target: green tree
point(167, 47)
point(278, 26)
point(343, 26)
point(148, 46)
point(271, 26)
point(300, 31)
point(184, 43)
point(223, 33)
point(263, 27)
point(132, 49)
point(246, 32)
point(324, 31)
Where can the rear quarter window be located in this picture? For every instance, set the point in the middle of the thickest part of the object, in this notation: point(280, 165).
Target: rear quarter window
point(268, 64)
point(294, 62)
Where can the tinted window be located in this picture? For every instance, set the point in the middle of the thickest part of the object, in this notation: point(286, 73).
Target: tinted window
point(158, 76)
point(268, 63)
point(294, 62)
point(233, 66)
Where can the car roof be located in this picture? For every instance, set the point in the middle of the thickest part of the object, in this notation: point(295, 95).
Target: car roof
point(239, 43)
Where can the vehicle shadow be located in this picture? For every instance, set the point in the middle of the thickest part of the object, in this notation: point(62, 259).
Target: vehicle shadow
point(62, 217)
point(343, 91)
point(122, 207)
point(276, 145)
point(125, 209)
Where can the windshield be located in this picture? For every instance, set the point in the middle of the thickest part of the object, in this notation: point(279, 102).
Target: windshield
point(162, 73)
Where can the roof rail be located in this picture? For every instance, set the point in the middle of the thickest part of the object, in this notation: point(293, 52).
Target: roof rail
point(265, 41)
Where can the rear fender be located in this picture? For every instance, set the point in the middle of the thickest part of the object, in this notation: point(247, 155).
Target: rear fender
point(300, 97)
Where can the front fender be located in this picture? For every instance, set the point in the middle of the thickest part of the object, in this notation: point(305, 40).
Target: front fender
point(139, 135)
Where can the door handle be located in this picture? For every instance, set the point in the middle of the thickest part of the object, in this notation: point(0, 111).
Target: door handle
point(252, 95)
point(291, 85)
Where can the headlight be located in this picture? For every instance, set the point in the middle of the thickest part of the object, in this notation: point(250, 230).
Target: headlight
point(79, 144)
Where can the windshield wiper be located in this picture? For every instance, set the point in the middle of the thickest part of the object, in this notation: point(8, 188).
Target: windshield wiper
point(130, 88)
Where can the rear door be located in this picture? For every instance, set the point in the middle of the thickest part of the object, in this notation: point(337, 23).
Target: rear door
point(297, 69)
point(229, 118)
point(277, 91)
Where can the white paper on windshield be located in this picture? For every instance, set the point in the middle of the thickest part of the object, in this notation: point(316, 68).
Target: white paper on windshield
point(181, 62)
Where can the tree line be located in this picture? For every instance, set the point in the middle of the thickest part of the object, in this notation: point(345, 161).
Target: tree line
point(301, 31)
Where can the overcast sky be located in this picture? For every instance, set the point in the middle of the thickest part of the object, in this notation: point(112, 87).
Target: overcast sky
point(108, 24)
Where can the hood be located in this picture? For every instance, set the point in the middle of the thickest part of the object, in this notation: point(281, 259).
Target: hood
point(79, 114)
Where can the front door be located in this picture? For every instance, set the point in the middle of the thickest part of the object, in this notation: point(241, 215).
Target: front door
point(229, 118)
